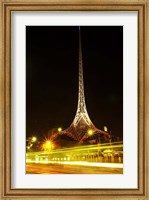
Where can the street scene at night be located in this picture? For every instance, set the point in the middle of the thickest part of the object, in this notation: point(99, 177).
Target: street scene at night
point(92, 159)
point(74, 100)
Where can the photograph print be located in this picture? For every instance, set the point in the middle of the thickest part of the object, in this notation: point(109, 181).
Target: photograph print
point(74, 99)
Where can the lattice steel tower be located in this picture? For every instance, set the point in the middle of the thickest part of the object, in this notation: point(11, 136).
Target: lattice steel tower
point(78, 130)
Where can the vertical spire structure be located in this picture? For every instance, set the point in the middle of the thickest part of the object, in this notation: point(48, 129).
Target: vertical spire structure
point(81, 123)
point(81, 109)
point(81, 97)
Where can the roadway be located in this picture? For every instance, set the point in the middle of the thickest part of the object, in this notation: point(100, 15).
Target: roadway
point(72, 168)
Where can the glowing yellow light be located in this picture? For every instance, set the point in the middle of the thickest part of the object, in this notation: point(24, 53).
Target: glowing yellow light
point(90, 132)
point(34, 139)
point(83, 163)
point(59, 129)
point(28, 147)
point(105, 128)
point(47, 145)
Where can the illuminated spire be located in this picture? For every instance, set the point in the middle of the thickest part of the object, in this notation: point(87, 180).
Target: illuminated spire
point(81, 127)
point(81, 109)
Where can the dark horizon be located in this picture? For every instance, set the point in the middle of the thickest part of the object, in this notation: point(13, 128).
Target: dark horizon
point(52, 77)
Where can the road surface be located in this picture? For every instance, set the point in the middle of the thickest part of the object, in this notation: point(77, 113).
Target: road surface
point(55, 168)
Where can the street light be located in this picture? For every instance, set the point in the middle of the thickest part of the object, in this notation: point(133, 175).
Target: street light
point(34, 139)
point(90, 132)
point(48, 143)
point(105, 128)
point(47, 146)
point(59, 129)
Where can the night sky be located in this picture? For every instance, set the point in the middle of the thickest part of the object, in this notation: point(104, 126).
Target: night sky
point(52, 76)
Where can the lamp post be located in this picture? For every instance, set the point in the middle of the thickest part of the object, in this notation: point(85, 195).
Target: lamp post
point(59, 129)
point(34, 139)
point(30, 142)
point(90, 132)
point(47, 146)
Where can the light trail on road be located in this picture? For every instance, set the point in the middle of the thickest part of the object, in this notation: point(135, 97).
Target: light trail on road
point(97, 147)
point(98, 158)
point(81, 163)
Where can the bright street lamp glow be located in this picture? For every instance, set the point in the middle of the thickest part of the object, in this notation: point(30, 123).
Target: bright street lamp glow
point(59, 129)
point(105, 128)
point(48, 143)
point(34, 139)
point(47, 146)
point(90, 132)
